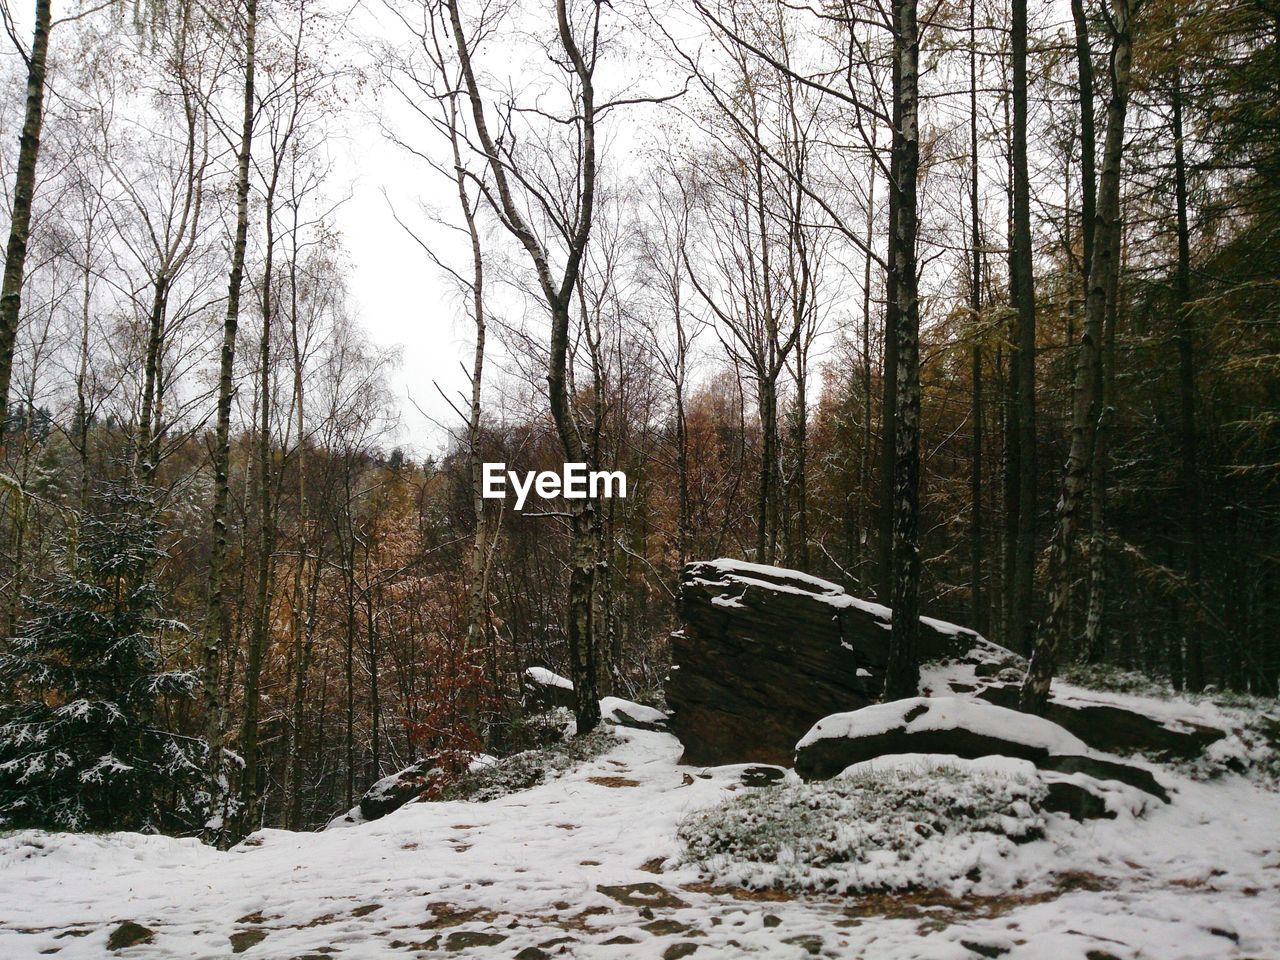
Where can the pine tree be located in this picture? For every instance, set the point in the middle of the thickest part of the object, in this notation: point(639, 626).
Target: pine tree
point(80, 744)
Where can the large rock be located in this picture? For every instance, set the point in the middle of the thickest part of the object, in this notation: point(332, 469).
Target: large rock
point(946, 725)
point(545, 690)
point(394, 791)
point(956, 727)
point(764, 653)
point(625, 713)
point(1116, 729)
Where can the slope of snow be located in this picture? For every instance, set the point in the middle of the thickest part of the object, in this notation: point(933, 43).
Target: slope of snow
point(1198, 879)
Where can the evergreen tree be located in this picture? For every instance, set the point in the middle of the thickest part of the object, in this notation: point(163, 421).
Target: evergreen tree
point(81, 746)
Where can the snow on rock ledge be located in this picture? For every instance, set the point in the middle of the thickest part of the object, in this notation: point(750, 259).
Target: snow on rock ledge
point(956, 727)
point(1017, 734)
point(1118, 724)
point(764, 652)
point(624, 713)
point(545, 690)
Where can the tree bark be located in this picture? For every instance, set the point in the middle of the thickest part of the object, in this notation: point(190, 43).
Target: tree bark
point(1024, 355)
point(1095, 636)
point(303, 612)
point(1088, 147)
point(218, 620)
point(24, 188)
point(902, 677)
point(559, 298)
point(1190, 468)
point(977, 608)
point(249, 793)
point(148, 430)
point(889, 361)
point(865, 573)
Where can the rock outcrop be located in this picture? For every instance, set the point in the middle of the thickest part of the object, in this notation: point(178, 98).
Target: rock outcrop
point(544, 690)
point(394, 791)
point(960, 728)
point(624, 713)
point(1115, 729)
point(764, 653)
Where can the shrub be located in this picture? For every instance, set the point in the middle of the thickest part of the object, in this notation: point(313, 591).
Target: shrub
point(894, 828)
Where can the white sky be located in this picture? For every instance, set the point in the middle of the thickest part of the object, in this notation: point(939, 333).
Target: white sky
point(400, 296)
point(402, 299)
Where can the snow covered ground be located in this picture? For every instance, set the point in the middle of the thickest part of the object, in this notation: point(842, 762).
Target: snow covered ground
point(575, 868)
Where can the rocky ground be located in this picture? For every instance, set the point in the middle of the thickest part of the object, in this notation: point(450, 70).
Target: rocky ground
point(589, 865)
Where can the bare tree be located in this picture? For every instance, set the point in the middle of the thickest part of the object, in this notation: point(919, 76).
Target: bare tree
point(1088, 380)
point(218, 620)
point(24, 187)
point(572, 219)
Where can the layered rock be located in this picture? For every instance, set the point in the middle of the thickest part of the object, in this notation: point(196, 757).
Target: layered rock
point(1116, 729)
point(946, 725)
point(625, 713)
point(764, 653)
point(394, 791)
point(956, 727)
point(545, 690)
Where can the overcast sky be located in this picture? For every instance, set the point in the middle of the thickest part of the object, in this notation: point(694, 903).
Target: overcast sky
point(402, 299)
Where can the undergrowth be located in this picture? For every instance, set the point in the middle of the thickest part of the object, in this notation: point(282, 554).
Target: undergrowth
point(526, 769)
point(888, 829)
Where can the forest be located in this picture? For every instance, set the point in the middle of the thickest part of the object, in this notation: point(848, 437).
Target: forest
point(970, 307)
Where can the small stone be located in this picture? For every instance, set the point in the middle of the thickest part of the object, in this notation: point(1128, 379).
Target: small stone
point(462, 939)
point(809, 944)
point(621, 938)
point(772, 920)
point(762, 776)
point(665, 928)
point(678, 950)
point(367, 909)
point(643, 895)
point(989, 950)
point(532, 953)
point(242, 940)
point(129, 934)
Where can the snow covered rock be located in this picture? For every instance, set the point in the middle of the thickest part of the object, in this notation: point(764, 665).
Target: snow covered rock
point(946, 725)
point(545, 690)
point(1118, 728)
point(394, 791)
point(765, 652)
point(624, 713)
point(956, 727)
point(1082, 797)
